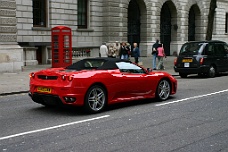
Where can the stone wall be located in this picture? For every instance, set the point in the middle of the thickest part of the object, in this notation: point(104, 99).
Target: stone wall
point(107, 22)
point(219, 23)
point(60, 13)
point(11, 54)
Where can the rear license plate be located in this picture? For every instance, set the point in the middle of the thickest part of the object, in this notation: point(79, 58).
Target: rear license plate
point(43, 90)
point(187, 60)
point(186, 65)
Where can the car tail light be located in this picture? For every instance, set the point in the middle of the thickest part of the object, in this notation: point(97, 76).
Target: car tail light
point(201, 61)
point(175, 61)
point(63, 77)
point(32, 75)
point(71, 77)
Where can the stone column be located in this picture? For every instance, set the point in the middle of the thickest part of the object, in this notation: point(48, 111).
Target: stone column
point(11, 54)
point(114, 21)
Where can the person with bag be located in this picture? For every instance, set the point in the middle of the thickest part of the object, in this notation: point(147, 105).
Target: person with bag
point(160, 56)
point(154, 54)
point(136, 53)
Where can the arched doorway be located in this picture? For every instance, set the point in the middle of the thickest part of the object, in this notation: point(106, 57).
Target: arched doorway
point(133, 22)
point(194, 24)
point(191, 25)
point(165, 28)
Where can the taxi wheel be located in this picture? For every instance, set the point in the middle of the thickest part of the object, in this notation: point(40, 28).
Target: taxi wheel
point(183, 75)
point(211, 72)
point(163, 90)
point(95, 99)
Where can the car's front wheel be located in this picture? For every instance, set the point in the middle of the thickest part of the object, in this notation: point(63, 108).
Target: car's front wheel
point(163, 90)
point(95, 99)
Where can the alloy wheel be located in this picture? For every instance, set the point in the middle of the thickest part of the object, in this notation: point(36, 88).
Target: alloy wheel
point(96, 99)
point(163, 90)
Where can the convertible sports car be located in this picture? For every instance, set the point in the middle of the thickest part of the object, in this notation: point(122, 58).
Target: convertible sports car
point(95, 82)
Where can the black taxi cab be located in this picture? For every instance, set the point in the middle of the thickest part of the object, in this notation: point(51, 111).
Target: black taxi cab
point(205, 58)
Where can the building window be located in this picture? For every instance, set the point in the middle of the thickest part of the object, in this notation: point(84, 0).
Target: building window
point(226, 30)
point(82, 13)
point(39, 13)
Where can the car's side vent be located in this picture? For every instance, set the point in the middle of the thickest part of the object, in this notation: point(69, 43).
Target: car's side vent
point(45, 77)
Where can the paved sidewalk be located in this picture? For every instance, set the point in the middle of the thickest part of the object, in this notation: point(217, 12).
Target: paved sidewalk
point(13, 83)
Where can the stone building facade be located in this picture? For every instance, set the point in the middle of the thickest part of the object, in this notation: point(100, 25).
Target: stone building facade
point(25, 26)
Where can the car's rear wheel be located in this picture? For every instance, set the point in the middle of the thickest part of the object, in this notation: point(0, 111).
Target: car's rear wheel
point(211, 72)
point(163, 90)
point(183, 75)
point(96, 99)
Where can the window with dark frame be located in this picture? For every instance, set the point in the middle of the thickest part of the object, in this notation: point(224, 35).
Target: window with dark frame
point(82, 13)
point(226, 28)
point(39, 13)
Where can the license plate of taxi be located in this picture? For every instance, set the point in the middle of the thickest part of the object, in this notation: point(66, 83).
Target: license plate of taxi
point(187, 65)
point(43, 90)
point(187, 60)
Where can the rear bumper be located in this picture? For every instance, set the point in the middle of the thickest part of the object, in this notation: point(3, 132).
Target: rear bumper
point(190, 70)
point(58, 96)
point(46, 99)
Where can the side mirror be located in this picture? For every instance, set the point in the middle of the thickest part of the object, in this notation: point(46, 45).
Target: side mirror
point(149, 70)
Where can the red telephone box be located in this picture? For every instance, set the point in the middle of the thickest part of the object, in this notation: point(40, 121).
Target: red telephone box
point(61, 39)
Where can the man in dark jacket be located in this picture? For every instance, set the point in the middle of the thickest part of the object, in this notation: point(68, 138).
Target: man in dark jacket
point(124, 51)
point(154, 53)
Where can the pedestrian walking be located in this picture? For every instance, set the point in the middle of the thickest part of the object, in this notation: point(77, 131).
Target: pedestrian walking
point(124, 51)
point(103, 50)
point(111, 52)
point(128, 47)
point(160, 56)
point(136, 53)
point(116, 49)
point(121, 45)
point(154, 54)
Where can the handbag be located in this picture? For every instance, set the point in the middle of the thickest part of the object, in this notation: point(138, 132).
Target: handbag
point(154, 51)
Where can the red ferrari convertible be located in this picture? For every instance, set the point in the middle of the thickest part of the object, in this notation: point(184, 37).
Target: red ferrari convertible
point(95, 82)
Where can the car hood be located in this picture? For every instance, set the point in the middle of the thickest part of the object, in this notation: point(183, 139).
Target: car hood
point(159, 73)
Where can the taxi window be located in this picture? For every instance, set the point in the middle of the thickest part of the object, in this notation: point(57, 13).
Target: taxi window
point(209, 50)
point(191, 48)
point(226, 49)
point(219, 49)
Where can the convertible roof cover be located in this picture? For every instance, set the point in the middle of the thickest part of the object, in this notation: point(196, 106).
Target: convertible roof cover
point(99, 63)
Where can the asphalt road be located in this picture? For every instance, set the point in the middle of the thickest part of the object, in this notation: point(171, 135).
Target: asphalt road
point(193, 120)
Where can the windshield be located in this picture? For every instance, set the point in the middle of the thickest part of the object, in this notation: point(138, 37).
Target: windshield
point(191, 48)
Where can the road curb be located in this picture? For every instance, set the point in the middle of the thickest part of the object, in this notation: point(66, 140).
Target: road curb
point(13, 93)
